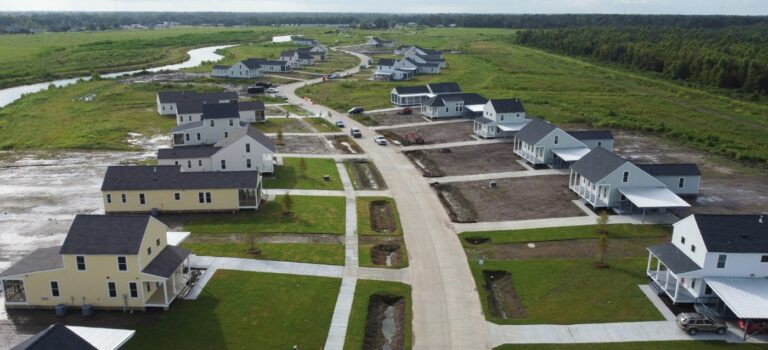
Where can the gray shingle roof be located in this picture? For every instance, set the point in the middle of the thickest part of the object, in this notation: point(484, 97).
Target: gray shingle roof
point(435, 101)
point(264, 62)
point(187, 126)
point(673, 258)
point(508, 105)
point(534, 131)
point(169, 177)
point(256, 135)
point(177, 96)
point(221, 110)
point(733, 233)
point(165, 263)
point(252, 106)
point(386, 62)
point(597, 164)
point(186, 152)
point(407, 90)
point(471, 98)
point(289, 53)
point(251, 63)
point(39, 260)
point(105, 234)
point(680, 169)
point(55, 337)
point(444, 88)
point(591, 134)
point(189, 106)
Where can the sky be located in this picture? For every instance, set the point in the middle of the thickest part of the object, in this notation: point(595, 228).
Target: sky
point(686, 7)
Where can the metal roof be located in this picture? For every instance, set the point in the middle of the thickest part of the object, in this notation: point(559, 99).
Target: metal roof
point(55, 337)
point(733, 233)
point(746, 297)
point(170, 177)
point(597, 164)
point(165, 263)
point(187, 126)
point(103, 338)
point(571, 154)
point(673, 258)
point(42, 259)
point(653, 197)
point(105, 234)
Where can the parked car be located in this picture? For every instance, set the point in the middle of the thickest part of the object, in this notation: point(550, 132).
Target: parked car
point(279, 95)
point(754, 326)
point(356, 110)
point(693, 322)
point(381, 140)
point(334, 76)
point(272, 91)
point(340, 123)
point(355, 132)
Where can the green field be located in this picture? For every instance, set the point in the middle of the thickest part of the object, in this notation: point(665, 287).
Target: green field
point(310, 215)
point(655, 345)
point(289, 176)
point(246, 310)
point(357, 319)
point(330, 254)
point(565, 233)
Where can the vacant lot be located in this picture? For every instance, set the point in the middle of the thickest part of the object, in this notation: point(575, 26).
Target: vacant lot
point(344, 144)
point(374, 302)
point(466, 160)
point(471, 239)
point(305, 144)
point(245, 310)
point(286, 125)
point(524, 198)
point(364, 175)
point(293, 175)
point(382, 251)
point(389, 118)
point(377, 216)
point(439, 133)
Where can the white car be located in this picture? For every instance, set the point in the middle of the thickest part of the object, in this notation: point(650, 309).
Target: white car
point(380, 140)
point(272, 91)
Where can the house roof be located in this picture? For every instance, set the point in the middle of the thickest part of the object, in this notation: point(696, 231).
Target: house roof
point(221, 67)
point(105, 234)
point(747, 298)
point(733, 233)
point(305, 55)
point(435, 101)
point(508, 105)
point(680, 169)
point(444, 88)
point(221, 110)
point(597, 164)
point(406, 90)
point(471, 98)
point(264, 62)
point(252, 63)
point(256, 135)
point(165, 263)
point(39, 260)
point(591, 134)
point(55, 337)
point(186, 152)
point(289, 53)
point(176, 96)
point(467, 98)
point(170, 177)
point(189, 106)
point(386, 62)
point(673, 258)
point(534, 131)
point(187, 126)
point(252, 106)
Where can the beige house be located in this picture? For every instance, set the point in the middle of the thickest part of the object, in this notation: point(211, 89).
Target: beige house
point(165, 188)
point(107, 262)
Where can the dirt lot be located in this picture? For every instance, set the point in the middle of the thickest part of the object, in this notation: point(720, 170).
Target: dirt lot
point(726, 186)
point(566, 249)
point(525, 198)
point(389, 118)
point(384, 323)
point(345, 144)
point(309, 144)
point(438, 133)
point(467, 160)
point(365, 175)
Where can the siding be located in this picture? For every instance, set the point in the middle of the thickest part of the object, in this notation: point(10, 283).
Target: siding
point(163, 200)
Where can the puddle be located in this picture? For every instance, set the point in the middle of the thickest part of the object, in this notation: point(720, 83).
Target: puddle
point(477, 240)
point(388, 255)
point(349, 147)
point(503, 301)
point(384, 324)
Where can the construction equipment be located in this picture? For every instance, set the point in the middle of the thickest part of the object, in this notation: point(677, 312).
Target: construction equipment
point(414, 138)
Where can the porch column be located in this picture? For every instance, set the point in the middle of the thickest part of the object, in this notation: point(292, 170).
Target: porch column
point(677, 287)
point(165, 293)
point(648, 268)
point(173, 282)
point(666, 282)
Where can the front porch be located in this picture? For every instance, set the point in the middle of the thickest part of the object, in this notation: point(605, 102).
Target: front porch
point(664, 279)
point(166, 291)
point(594, 195)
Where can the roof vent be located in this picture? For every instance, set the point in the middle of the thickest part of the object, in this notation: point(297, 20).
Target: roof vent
point(154, 169)
point(743, 235)
point(760, 220)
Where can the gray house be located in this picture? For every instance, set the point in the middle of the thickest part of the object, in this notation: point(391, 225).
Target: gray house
point(416, 95)
point(217, 121)
point(246, 69)
point(542, 143)
point(453, 105)
point(500, 118)
point(682, 179)
point(594, 138)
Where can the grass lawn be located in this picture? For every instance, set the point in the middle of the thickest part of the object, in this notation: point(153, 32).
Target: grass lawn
point(565, 233)
point(311, 214)
point(322, 124)
point(246, 310)
point(357, 319)
point(288, 176)
point(336, 61)
point(564, 291)
point(656, 345)
point(330, 254)
point(274, 125)
point(364, 226)
point(297, 110)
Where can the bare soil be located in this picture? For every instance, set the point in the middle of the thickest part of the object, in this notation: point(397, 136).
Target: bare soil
point(565, 249)
point(433, 134)
point(345, 144)
point(726, 186)
point(382, 217)
point(309, 144)
point(384, 323)
point(365, 175)
point(466, 160)
point(524, 198)
point(379, 254)
point(459, 208)
point(503, 300)
point(389, 118)
point(266, 238)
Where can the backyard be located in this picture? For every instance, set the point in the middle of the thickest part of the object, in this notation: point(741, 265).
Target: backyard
point(289, 175)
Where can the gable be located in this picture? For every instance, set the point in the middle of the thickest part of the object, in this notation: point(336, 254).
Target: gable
point(637, 177)
point(564, 140)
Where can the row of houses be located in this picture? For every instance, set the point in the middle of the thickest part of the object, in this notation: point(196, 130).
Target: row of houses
point(288, 61)
point(192, 107)
point(416, 60)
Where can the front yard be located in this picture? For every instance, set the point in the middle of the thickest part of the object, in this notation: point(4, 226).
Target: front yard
point(246, 310)
point(289, 175)
point(329, 254)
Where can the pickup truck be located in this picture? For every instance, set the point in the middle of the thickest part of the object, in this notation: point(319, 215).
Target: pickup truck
point(355, 132)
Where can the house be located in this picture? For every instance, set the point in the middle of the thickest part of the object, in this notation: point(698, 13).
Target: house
point(300, 40)
point(269, 66)
point(217, 120)
point(376, 42)
point(192, 111)
point(415, 95)
point(106, 261)
point(305, 57)
point(604, 180)
point(500, 118)
point(717, 262)
point(165, 188)
point(291, 57)
point(400, 50)
point(246, 149)
point(59, 336)
point(385, 70)
point(428, 59)
point(453, 105)
point(682, 179)
point(246, 69)
point(167, 100)
point(252, 112)
point(594, 138)
point(409, 64)
point(319, 52)
point(542, 143)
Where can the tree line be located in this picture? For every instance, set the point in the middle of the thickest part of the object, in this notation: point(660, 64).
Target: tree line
point(734, 57)
point(26, 22)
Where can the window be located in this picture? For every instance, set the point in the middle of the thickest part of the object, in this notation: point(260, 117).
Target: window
point(55, 289)
point(557, 138)
point(223, 164)
point(211, 122)
point(177, 196)
point(109, 198)
point(198, 136)
point(157, 242)
point(248, 163)
point(112, 289)
point(693, 248)
point(181, 119)
point(226, 134)
point(123, 198)
point(199, 162)
point(207, 197)
point(682, 239)
point(134, 289)
point(721, 261)
point(175, 162)
point(693, 283)
point(80, 260)
point(186, 137)
point(599, 143)
point(681, 183)
point(247, 148)
point(707, 290)
point(122, 263)
point(201, 197)
point(626, 176)
point(142, 199)
point(231, 122)
point(764, 259)
point(149, 287)
point(189, 164)
point(149, 250)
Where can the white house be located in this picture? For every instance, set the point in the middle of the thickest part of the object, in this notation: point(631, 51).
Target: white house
point(300, 40)
point(542, 143)
point(319, 52)
point(252, 112)
point(718, 262)
point(453, 105)
point(682, 179)
point(245, 149)
point(385, 70)
point(192, 111)
point(376, 42)
point(246, 69)
point(416, 95)
point(428, 59)
point(604, 180)
point(291, 57)
point(500, 118)
point(167, 100)
point(305, 57)
point(218, 120)
point(401, 50)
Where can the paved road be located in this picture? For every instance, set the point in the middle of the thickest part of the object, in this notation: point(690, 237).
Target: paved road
point(446, 308)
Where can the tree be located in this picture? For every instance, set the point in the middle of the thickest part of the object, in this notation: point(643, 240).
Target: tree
point(280, 141)
point(251, 240)
point(602, 222)
point(302, 168)
point(602, 239)
point(287, 205)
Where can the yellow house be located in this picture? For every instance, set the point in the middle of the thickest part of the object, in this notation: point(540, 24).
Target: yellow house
point(106, 261)
point(165, 188)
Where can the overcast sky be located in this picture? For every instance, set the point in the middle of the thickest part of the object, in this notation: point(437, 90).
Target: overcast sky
point(731, 7)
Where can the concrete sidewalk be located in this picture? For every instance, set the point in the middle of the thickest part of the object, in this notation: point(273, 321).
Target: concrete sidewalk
point(425, 123)
point(558, 222)
point(327, 156)
point(493, 176)
point(451, 144)
point(337, 334)
point(318, 193)
point(382, 274)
